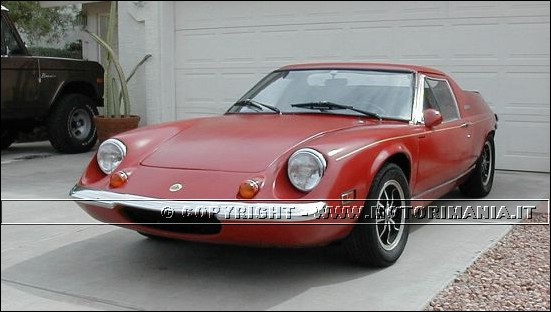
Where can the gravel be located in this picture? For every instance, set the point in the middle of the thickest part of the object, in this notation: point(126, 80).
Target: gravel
point(512, 275)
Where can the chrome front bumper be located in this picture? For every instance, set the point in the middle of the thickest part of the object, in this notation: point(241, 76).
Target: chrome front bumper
point(222, 210)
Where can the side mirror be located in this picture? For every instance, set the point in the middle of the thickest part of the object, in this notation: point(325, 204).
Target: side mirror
point(432, 118)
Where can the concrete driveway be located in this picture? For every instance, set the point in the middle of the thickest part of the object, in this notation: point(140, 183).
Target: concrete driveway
point(95, 267)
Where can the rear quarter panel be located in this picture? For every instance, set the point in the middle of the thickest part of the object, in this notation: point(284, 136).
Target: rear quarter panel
point(476, 112)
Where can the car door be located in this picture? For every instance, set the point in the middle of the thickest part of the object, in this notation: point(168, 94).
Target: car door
point(445, 149)
point(19, 75)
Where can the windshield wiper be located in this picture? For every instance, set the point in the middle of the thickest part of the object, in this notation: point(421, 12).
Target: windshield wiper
point(256, 104)
point(325, 106)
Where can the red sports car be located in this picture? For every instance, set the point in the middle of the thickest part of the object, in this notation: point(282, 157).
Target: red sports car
point(289, 161)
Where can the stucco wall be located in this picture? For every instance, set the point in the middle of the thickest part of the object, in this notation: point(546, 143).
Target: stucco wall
point(147, 27)
point(132, 50)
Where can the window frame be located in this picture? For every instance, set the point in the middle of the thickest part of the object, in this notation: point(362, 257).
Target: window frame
point(421, 95)
point(11, 28)
point(258, 87)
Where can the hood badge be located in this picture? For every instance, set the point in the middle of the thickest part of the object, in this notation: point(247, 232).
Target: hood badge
point(175, 187)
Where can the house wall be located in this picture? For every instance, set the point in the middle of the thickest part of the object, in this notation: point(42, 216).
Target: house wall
point(132, 48)
point(147, 27)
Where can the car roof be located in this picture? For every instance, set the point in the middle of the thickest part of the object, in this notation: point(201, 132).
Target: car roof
point(364, 66)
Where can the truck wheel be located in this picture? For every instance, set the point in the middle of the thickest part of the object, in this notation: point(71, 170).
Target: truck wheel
point(70, 124)
point(481, 179)
point(8, 137)
point(381, 234)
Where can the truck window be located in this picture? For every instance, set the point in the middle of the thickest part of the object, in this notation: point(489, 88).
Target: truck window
point(10, 46)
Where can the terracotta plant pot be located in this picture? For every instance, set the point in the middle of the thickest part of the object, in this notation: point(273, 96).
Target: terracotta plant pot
point(110, 126)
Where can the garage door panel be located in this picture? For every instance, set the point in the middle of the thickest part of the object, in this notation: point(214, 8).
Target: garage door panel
point(497, 8)
point(526, 8)
point(528, 50)
point(320, 43)
point(195, 48)
point(475, 43)
point(197, 94)
point(521, 146)
point(525, 113)
point(527, 88)
point(484, 82)
point(264, 13)
point(413, 45)
point(421, 9)
point(210, 14)
point(474, 8)
point(364, 43)
point(196, 87)
point(231, 44)
point(524, 121)
point(279, 47)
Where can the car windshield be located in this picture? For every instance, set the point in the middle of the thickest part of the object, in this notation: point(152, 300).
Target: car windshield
point(380, 94)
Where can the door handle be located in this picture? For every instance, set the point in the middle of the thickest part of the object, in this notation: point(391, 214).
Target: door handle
point(465, 125)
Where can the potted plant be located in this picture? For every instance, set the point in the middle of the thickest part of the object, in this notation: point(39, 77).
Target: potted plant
point(116, 100)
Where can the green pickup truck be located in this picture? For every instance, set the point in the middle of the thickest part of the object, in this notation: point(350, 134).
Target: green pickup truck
point(60, 94)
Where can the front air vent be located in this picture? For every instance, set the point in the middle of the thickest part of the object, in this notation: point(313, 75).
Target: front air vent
point(202, 225)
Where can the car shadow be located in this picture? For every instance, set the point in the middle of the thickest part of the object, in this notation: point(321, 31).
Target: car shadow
point(31, 149)
point(122, 267)
point(41, 147)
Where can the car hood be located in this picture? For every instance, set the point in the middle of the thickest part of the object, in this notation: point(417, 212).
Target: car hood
point(241, 143)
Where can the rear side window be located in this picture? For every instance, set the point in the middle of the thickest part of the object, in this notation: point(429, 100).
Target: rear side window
point(437, 95)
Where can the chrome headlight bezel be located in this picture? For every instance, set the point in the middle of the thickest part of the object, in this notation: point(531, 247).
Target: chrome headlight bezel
point(118, 149)
point(314, 176)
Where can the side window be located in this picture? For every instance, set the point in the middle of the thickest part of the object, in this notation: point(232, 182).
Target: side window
point(429, 101)
point(437, 95)
point(10, 46)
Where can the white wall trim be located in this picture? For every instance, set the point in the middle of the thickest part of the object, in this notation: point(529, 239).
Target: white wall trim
point(160, 82)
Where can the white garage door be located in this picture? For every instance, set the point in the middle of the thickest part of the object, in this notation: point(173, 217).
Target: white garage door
point(498, 48)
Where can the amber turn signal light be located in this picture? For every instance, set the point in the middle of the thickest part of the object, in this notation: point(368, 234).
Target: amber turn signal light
point(249, 188)
point(118, 179)
point(348, 197)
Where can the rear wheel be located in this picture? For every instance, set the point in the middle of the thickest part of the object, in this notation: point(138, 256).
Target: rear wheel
point(381, 234)
point(70, 124)
point(481, 179)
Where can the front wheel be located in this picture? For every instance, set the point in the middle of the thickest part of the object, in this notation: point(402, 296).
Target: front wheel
point(480, 182)
point(381, 234)
point(70, 124)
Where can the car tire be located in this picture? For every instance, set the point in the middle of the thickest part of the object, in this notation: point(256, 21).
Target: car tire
point(376, 240)
point(70, 124)
point(8, 137)
point(480, 182)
